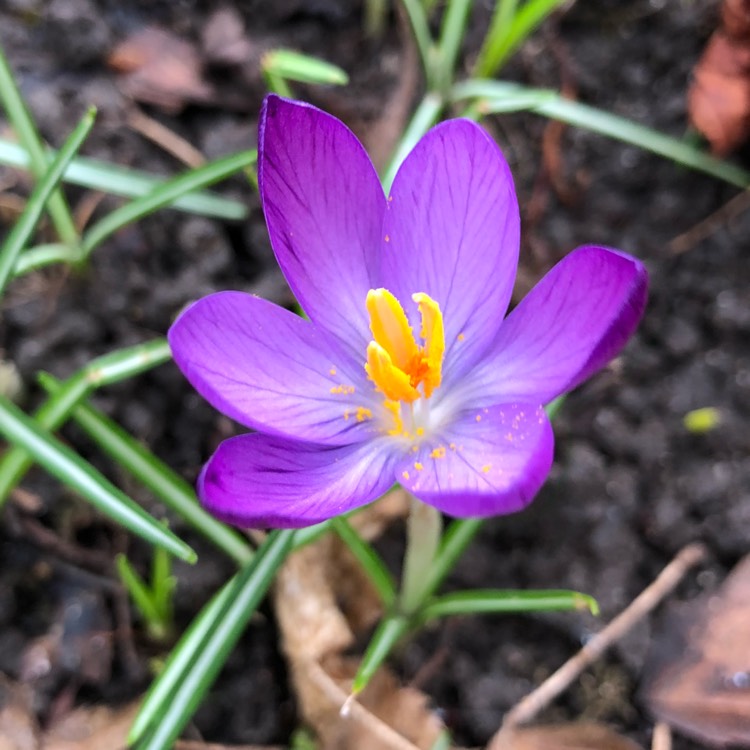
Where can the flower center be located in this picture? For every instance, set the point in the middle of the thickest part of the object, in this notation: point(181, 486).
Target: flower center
point(404, 370)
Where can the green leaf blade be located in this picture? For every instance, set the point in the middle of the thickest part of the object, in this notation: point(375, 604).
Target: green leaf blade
point(251, 585)
point(96, 174)
point(23, 123)
point(369, 559)
point(65, 464)
point(24, 227)
point(498, 601)
point(164, 195)
point(295, 66)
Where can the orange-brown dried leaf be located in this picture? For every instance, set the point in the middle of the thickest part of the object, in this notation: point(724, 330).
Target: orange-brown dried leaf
point(735, 18)
point(404, 709)
point(18, 727)
point(719, 96)
point(162, 69)
point(91, 728)
point(574, 736)
point(701, 675)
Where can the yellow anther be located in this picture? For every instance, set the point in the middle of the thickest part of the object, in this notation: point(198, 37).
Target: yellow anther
point(401, 368)
point(390, 328)
point(391, 380)
point(433, 335)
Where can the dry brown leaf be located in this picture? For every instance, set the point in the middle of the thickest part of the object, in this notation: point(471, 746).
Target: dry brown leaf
point(162, 69)
point(574, 736)
point(701, 675)
point(404, 709)
point(719, 97)
point(18, 728)
point(91, 728)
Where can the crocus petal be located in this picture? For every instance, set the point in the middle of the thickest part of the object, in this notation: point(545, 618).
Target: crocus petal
point(492, 461)
point(269, 369)
point(572, 323)
point(451, 230)
point(324, 207)
point(260, 481)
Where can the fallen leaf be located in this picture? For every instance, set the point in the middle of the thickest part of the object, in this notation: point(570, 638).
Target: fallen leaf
point(91, 728)
point(719, 96)
point(404, 709)
point(574, 736)
point(700, 676)
point(18, 728)
point(159, 68)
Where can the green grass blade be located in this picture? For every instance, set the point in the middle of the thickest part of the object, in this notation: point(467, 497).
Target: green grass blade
point(510, 37)
point(295, 66)
point(252, 583)
point(139, 592)
point(70, 468)
point(389, 632)
point(502, 17)
point(422, 120)
point(23, 229)
point(180, 659)
point(16, 461)
point(604, 123)
point(96, 174)
point(163, 196)
point(163, 584)
point(310, 534)
point(22, 122)
point(456, 539)
point(44, 255)
point(369, 559)
point(550, 104)
point(451, 35)
point(126, 363)
point(501, 601)
point(168, 486)
point(421, 30)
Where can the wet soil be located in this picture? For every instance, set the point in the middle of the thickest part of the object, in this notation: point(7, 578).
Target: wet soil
point(630, 485)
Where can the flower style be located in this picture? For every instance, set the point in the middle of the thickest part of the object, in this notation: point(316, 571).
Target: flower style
point(407, 370)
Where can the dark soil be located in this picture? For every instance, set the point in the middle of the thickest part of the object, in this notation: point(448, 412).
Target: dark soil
point(630, 486)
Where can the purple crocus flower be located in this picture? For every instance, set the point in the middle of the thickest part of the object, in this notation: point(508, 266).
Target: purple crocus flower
point(407, 370)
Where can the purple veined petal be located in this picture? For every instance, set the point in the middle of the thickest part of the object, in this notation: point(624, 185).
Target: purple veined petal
point(452, 230)
point(492, 462)
point(324, 208)
point(261, 481)
point(570, 325)
point(270, 369)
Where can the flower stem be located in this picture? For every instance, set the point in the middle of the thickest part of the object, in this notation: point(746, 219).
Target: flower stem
point(423, 532)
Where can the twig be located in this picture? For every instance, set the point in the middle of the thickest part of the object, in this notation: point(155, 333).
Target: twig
point(351, 708)
point(705, 228)
point(167, 139)
point(559, 680)
point(662, 737)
